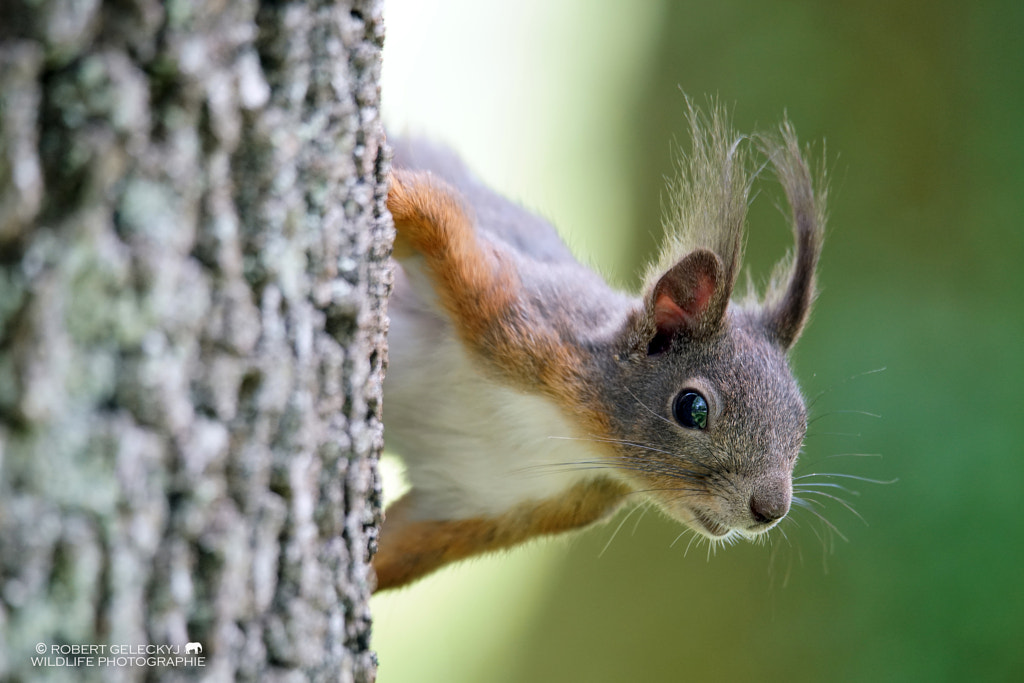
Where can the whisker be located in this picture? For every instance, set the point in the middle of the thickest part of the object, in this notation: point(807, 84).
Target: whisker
point(846, 476)
point(839, 500)
point(806, 486)
point(842, 412)
point(646, 506)
point(671, 469)
point(620, 464)
point(620, 442)
point(645, 407)
point(623, 442)
point(617, 528)
point(804, 503)
point(814, 400)
point(696, 538)
point(705, 451)
point(790, 519)
point(826, 546)
point(773, 557)
point(673, 489)
point(855, 435)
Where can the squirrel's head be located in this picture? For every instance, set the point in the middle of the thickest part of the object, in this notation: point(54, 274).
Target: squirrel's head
point(709, 419)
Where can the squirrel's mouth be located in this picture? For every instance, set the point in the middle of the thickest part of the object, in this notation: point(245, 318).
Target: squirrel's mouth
point(709, 526)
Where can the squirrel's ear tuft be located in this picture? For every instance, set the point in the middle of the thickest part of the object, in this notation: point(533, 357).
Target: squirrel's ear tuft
point(792, 291)
point(689, 299)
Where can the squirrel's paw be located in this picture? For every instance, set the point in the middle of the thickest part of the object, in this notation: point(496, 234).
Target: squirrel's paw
point(428, 213)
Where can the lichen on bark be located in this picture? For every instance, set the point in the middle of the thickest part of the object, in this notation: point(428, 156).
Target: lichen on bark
point(193, 274)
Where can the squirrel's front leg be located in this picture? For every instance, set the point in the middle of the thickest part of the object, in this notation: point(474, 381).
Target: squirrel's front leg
point(488, 305)
point(411, 548)
point(478, 286)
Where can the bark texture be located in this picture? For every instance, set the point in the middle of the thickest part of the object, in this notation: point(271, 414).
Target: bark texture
point(193, 274)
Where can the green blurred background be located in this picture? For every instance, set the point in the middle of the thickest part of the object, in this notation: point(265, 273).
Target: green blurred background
point(572, 107)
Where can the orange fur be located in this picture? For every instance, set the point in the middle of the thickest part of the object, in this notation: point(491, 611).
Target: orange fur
point(410, 548)
point(484, 298)
point(543, 343)
point(478, 289)
point(483, 295)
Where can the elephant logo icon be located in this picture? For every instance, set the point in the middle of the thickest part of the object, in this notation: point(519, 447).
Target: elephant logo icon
point(194, 648)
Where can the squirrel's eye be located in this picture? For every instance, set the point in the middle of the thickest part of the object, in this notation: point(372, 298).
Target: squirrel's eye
point(691, 410)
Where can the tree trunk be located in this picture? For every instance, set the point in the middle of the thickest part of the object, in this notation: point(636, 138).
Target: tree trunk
point(193, 274)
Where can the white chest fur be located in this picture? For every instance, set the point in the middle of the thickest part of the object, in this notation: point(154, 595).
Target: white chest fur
point(472, 447)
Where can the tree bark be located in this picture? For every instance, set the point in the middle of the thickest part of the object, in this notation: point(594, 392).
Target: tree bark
point(193, 275)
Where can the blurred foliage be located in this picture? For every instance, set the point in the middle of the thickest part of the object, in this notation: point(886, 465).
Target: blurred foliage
point(919, 104)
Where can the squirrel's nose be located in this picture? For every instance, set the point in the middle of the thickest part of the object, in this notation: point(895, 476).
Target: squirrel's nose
point(769, 506)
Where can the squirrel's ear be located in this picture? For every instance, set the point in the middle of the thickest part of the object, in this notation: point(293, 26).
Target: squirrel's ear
point(793, 285)
point(690, 299)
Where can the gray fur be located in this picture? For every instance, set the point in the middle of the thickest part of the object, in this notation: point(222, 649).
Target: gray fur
point(501, 219)
point(792, 287)
point(707, 204)
point(735, 476)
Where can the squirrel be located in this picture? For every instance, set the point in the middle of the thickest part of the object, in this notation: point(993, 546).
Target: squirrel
point(527, 397)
